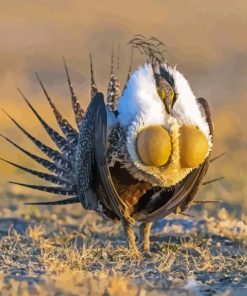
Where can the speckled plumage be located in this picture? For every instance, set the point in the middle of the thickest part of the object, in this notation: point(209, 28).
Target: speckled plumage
point(98, 165)
point(113, 91)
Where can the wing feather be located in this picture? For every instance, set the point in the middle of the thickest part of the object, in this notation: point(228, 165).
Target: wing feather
point(112, 198)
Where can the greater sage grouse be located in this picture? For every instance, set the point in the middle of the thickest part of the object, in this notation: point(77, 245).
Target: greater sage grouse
point(137, 158)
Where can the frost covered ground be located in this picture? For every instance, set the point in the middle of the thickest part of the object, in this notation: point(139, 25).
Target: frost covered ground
point(66, 251)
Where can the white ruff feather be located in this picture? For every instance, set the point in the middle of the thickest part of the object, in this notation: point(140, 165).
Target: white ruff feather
point(140, 107)
point(140, 99)
point(186, 109)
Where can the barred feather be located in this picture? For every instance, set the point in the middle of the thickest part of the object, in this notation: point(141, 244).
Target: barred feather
point(54, 155)
point(113, 91)
point(66, 201)
point(94, 89)
point(63, 173)
point(47, 177)
point(78, 111)
point(49, 189)
point(60, 141)
point(70, 133)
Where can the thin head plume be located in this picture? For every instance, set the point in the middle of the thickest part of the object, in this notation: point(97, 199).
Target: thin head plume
point(94, 89)
point(153, 48)
point(160, 45)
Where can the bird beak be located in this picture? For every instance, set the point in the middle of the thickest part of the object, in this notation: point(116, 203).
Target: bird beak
point(168, 104)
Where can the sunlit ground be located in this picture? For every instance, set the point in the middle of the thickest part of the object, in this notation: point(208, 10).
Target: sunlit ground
point(66, 251)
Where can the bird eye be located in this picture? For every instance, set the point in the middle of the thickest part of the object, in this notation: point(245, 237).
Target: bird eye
point(162, 94)
point(172, 94)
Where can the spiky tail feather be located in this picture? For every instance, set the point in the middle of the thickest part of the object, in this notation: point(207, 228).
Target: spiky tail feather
point(50, 189)
point(70, 133)
point(44, 162)
point(60, 141)
point(113, 91)
point(60, 202)
point(47, 177)
point(54, 155)
point(78, 111)
point(62, 162)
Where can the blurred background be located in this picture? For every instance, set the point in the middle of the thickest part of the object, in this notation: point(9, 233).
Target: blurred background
point(206, 40)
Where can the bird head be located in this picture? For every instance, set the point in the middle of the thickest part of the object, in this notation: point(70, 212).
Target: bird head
point(167, 135)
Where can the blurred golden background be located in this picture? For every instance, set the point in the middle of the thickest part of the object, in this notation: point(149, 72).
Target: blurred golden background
point(206, 40)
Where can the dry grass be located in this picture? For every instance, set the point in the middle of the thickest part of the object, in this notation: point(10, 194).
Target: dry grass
point(53, 252)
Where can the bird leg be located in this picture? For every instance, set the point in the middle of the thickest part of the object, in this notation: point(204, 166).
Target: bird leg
point(130, 234)
point(145, 229)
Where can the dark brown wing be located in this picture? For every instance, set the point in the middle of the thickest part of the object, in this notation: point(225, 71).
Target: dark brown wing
point(165, 202)
point(109, 195)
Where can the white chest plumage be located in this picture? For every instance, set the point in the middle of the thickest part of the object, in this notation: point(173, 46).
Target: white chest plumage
point(141, 106)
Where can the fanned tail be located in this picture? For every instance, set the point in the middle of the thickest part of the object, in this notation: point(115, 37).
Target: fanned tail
point(62, 162)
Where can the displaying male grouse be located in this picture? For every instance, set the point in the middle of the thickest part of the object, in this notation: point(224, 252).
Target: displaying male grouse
point(138, 158)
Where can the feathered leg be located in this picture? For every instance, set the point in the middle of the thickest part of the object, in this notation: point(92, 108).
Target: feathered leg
point(130, 234)
point(145, 229)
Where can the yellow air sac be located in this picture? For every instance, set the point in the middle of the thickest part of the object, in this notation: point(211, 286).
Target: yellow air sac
point(154, 146)
point(193, 146)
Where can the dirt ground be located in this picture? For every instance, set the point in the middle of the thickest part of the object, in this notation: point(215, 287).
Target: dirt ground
point(67, 251)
